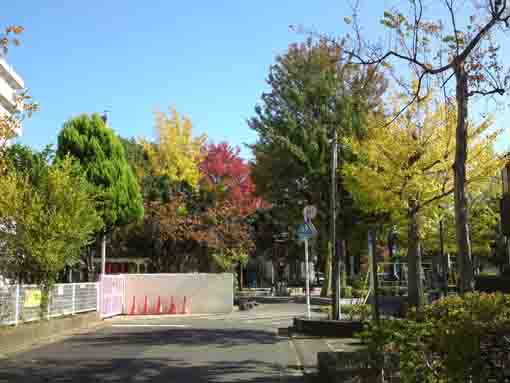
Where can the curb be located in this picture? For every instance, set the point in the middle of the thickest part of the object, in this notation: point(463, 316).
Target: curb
point(328, 328)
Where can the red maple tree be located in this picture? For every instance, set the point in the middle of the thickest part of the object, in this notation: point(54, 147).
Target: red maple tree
point(227, 177)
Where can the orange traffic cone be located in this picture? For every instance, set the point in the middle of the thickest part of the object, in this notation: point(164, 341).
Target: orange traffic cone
point(171, 308)
point(133, 310)
point(185, 308)
point(146, 306)
point(158, 309)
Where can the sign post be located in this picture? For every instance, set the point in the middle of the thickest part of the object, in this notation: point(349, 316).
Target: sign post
point(307, 280)
point(306, 231)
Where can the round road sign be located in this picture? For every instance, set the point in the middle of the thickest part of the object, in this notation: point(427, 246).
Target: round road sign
point(309, 212)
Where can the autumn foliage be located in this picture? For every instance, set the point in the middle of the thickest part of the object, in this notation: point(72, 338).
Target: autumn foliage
point(197, 202)
point(176, 153)
point(228, 177)
point(198, 239)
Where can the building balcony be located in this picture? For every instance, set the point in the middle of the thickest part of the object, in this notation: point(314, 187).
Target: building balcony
point(10, 85)
point(8, 73)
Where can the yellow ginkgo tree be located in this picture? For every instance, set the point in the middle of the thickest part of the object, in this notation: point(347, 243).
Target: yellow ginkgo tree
point(405, 168)
point(176, 154)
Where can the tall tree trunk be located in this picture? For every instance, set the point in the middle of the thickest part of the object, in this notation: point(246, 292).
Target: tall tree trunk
point(415, 284)
point(464, 260)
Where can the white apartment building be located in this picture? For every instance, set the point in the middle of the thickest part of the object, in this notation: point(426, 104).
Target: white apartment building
point(11, 84)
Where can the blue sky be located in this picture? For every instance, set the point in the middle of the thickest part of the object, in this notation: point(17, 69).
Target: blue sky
point(208, 59)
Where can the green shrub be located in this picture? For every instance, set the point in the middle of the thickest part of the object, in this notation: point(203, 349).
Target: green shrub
point(359, 283)
point(357, 293)
point(357, 311)
point(443, 343)
point(346, 292)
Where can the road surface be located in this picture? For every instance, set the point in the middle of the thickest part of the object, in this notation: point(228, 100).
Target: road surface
point(239, 347)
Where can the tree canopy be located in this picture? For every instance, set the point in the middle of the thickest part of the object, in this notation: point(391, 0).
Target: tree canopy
point(409, 180)
point(227, 177)
point(45, 222)
point(313, 93)
point(175, 152)
point(100, 154)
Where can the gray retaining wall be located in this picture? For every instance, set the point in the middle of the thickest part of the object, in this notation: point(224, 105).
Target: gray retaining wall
point(205, 293)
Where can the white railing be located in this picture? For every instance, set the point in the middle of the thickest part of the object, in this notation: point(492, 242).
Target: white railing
point(22, 303)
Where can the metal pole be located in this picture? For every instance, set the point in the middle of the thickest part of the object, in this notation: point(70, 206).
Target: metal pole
point(340, 256)
point(74, 299)
point(49, 304)
point(335, 257)
point(103, 254)
point(104, 117)
point(505, 175)
point(16, 305)
point(272, 274)
point(372, 244)
point(444, 259)
point(370, 261)
point(307, 280)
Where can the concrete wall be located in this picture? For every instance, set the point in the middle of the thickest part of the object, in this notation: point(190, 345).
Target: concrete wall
point(205, 293)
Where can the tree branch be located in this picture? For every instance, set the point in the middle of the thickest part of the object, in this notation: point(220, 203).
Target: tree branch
point(428, 167)
point(439, 196)
point(449, 5)
point(416, 97)
point(499, 91)
point(417, 21)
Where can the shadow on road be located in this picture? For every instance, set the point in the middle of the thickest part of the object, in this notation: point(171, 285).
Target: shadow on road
point(166, 355)
point(142, 370)
point(188, 337)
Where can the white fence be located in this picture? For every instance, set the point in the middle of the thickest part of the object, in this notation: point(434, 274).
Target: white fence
point(21, 303)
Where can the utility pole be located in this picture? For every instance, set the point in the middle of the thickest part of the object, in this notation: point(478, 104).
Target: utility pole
point(337, 267)
point(104, 116)
point(505, 207)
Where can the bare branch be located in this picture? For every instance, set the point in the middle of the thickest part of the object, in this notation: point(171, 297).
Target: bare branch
point(449, 5)
point(416, 97)
point(417, 20)
point(499, 91)
point(474, 42)
point(447, 80)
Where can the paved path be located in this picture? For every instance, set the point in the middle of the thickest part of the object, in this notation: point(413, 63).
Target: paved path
point(240, 347)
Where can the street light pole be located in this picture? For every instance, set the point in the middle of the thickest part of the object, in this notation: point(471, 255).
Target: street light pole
point(104, 117)
point(337, 267)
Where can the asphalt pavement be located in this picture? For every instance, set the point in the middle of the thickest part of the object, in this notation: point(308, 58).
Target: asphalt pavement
point(243, 346)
